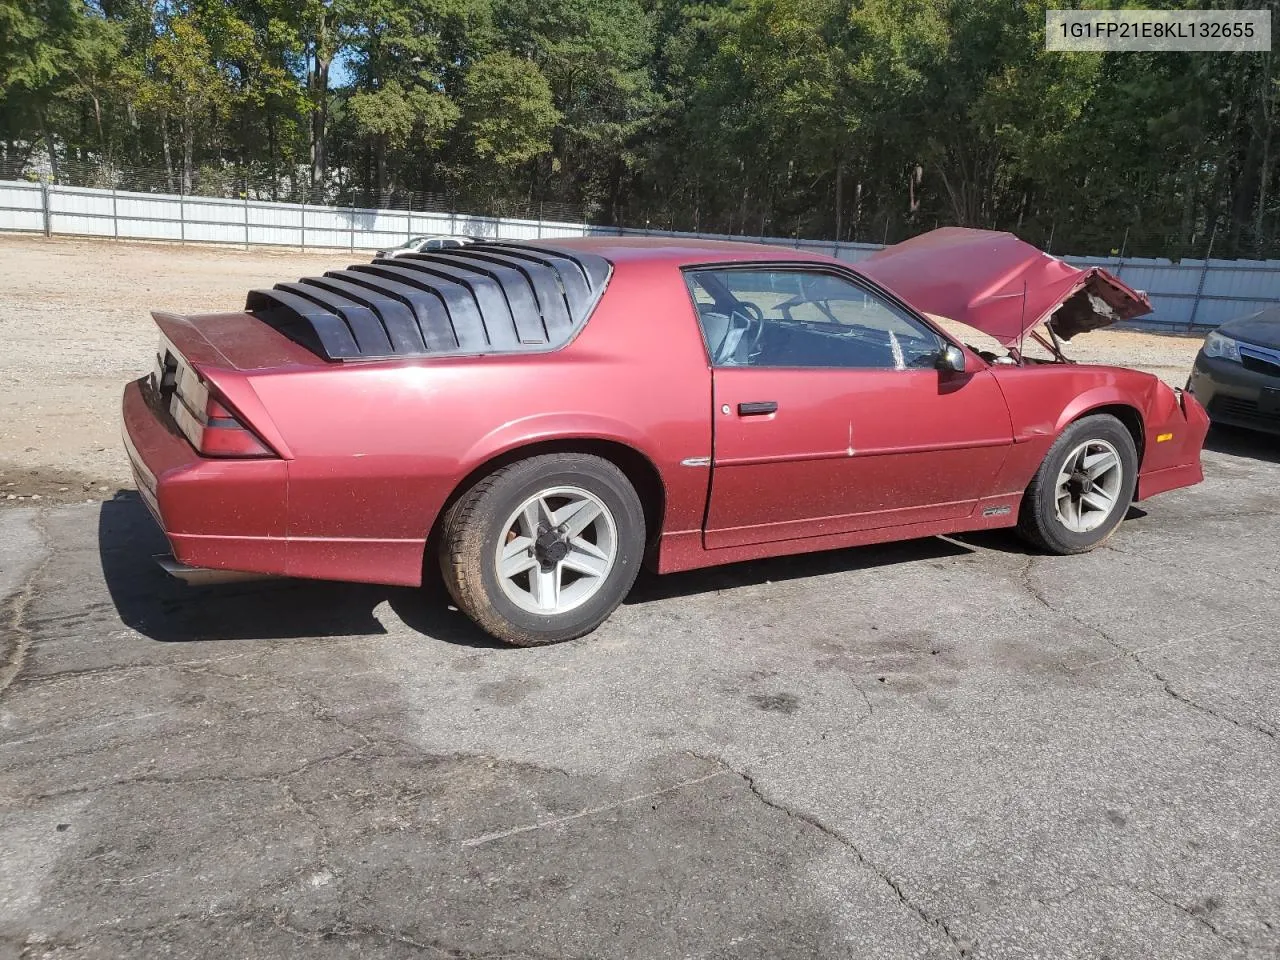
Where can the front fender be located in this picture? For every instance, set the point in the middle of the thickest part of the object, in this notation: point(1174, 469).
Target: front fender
point(1107, 395)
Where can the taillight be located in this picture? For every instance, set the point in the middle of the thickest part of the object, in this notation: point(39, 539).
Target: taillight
point(225, 436)
point(205, 419)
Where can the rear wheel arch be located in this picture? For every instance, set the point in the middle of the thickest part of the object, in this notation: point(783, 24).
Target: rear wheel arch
point(639, 470)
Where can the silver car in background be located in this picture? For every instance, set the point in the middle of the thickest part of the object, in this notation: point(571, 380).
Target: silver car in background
point(425, 243)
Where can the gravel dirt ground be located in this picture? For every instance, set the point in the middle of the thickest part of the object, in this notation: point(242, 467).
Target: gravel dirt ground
point(76, 320)
point(946, 748)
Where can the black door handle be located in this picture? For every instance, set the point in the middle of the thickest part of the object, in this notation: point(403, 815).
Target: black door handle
point(757, 407)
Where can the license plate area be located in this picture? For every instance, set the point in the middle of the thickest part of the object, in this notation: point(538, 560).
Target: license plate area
point(164, 375)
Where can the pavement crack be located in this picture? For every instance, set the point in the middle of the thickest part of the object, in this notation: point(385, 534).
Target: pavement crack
point(16, 612)
point(345, 930)
point(317, 708)
point(147, 779)
point(1057, 898)
point(592, 811)
point(1194, 914)
point(1024, 579)
point(961, 947)
point(323, 837)
point(1135, 657)
point(1194, 704)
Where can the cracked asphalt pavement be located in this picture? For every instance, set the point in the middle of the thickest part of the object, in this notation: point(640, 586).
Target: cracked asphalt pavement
point(941, 748)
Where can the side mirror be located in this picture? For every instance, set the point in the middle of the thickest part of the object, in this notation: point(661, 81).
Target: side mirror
point(950, 359)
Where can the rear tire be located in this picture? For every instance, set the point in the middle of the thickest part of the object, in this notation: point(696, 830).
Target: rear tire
point(1083, 488)
point(544, 549)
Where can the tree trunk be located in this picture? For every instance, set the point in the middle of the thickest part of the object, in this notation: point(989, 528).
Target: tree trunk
point(49, 144)
point(1264, 112)
point(380, 166)
point(318, 82)
point(102, 139)
point(168, 154)
point(271, 150)
point(188, 148)
point(839, 199)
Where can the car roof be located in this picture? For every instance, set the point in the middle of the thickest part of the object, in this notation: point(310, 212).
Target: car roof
point(680, 251)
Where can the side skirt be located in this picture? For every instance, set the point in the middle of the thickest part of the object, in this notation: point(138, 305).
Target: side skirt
point(684, 550)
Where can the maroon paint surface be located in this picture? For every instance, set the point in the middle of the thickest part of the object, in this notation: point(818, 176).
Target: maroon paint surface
point(370, 451)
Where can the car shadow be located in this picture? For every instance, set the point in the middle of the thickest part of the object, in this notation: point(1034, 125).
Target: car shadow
point(1005, 540)
point(650, 587)
point(1238, 442)
point(167, 610)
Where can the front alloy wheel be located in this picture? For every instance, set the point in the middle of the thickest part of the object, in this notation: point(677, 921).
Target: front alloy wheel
point(1089, 484)
point(1083, 487)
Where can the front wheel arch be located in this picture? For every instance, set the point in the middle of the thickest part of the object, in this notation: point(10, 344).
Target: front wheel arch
point(1129, 416)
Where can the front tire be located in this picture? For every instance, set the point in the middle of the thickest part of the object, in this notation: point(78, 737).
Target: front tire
point(544, 549)
point(1083, 488)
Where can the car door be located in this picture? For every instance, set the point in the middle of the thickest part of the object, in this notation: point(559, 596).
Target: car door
point(829, 413)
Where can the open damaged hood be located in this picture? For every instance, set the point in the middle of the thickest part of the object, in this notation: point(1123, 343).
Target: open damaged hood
point(979, 277)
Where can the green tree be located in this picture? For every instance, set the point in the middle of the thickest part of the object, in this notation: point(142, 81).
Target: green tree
point(37, 57)
point(508, 111)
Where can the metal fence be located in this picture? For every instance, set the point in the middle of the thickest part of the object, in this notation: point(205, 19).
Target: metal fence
point(290, 186)
point(1187, 295)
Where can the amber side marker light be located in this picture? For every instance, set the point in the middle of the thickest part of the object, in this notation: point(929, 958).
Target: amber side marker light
point(1163, 437)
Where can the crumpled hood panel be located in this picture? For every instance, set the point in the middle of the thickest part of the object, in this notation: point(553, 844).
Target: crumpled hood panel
point(978, 277)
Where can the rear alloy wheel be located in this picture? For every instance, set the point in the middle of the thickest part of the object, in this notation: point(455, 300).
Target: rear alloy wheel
point(543, 550)
point(1083, 488)
point(557, 553)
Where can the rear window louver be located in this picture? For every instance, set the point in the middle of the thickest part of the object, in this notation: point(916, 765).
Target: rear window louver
point(490, 298)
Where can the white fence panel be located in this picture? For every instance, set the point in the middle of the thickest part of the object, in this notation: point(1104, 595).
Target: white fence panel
point(423, 223)
point(81, 211)
point(325, 227)
point(379, 229)
point(21, 206)
point(147, 216)
point(268, 214)
point(214, 210)
point(552, 228)
point(523, 229)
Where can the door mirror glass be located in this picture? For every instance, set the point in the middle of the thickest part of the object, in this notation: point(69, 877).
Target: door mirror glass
point(951, 359)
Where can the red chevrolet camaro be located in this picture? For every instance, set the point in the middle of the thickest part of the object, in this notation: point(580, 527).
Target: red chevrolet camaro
point(536, 420)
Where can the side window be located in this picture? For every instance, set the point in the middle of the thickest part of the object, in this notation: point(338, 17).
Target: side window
point(434, 244)
point(805, 318)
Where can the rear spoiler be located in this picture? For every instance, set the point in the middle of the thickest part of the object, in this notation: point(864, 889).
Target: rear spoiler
point(998, 284)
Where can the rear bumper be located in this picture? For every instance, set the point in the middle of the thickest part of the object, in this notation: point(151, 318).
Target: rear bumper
point(1235, 396)
point(216, 514)
point(232, 515)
